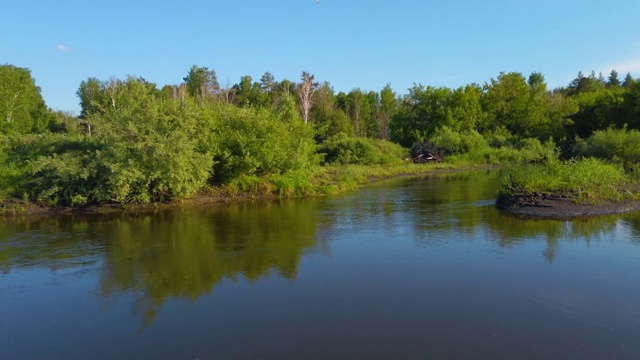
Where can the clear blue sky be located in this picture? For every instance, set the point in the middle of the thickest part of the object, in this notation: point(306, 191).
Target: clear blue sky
point(350, 43)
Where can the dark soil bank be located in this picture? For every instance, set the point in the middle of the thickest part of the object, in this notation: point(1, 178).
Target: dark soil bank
point(562, 207)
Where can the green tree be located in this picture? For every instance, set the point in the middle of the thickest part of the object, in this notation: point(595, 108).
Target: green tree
point(328, 119)
point(22, 108)
point(386, 110)
point(522, 107)
point(268, 86)
point(421, 112)
point(632, 106)
point(358, 109)
point(248, 93)
point(202, 83)
point(467, 113)
point(582, 84)
point(150, 148)
point(628, 81)
point(267, 82)
point(597, 110)
point(613, 79)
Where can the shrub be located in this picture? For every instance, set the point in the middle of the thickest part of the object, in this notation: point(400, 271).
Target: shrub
point(452, 142)
point(149, 152)
point(344, 150)
point(260, 142)
point(618, 145)
point(55, 168)
point(532, 150)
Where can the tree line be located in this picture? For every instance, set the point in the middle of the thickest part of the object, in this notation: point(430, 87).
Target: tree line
point(135, 141)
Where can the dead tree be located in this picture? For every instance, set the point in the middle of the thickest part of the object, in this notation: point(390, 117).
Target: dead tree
point(305, 91)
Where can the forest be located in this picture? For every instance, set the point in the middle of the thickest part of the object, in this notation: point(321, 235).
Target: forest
point(137, 142)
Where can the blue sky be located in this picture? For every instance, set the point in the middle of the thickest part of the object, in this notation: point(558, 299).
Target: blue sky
point(350, 43)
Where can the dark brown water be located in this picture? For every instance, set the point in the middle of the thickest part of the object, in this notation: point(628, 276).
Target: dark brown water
point(409, 269)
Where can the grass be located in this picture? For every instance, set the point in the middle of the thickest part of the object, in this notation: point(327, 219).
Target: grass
point(324, 180)
point(587, 180)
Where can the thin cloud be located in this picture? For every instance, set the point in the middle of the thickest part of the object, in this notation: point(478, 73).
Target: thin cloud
point(628, 66)
point(62, 48)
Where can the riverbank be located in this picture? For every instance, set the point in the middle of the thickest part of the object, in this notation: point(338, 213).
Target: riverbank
point(583, 187)
point(563, 207)
point(324, 181)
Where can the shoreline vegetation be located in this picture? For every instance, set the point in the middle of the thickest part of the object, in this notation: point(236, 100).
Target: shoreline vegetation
point(137, 145)
point(325, 181)
point(581, 186)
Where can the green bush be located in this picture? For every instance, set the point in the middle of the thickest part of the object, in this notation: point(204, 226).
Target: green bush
point(452, 142)
point(344, 150)
point(55, 168)
point(532, 150)
point(150, 153)
point(618, 145)
point(260, 142)
point(500, 137)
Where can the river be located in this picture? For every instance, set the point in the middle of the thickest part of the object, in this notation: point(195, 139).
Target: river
point(411, 268)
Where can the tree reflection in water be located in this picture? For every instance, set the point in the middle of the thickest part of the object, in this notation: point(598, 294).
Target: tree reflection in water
point(183, 254)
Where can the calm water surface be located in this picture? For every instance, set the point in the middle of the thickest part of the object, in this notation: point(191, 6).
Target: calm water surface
point(406, 269)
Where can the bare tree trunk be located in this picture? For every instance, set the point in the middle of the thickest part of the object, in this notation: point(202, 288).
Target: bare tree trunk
point(305, 91)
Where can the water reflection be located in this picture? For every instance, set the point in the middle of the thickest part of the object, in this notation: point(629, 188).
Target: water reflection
point(168, 254)
point(50, 242)
point(430, 258)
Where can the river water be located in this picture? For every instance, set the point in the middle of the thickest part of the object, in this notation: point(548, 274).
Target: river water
point(412, 268)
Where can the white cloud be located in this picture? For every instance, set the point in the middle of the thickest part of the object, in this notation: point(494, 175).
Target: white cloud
point(61, 48)
point(623, 67)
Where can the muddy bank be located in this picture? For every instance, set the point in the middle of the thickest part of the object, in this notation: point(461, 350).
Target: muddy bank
point(14, 206)
point(563, 207)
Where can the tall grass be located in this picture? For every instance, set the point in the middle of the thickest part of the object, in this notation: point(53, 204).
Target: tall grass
point(587, 180)
point(323, 180)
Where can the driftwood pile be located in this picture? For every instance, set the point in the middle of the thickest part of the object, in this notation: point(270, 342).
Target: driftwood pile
point(426, 152)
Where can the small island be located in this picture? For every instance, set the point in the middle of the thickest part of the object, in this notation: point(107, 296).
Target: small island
point(602, 179)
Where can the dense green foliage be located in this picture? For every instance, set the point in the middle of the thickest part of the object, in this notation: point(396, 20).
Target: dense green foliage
point(136, 143)
point(22, 109)
point(617, 145)
point(345, 150)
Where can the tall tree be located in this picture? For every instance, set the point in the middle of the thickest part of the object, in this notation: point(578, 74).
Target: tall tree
point(328, 118)
point(388, 106)
point(359, 110)
point(582, 84)
point(613, 79)
point(305, 93)
point(248, 93)
point(371, 125)
point(466, 109)
point(92, 98)
point(628, 81)
point(202, 83)
point(268, 85)
point(22, 108)
point(267, 82)
point(536, 80)
point(511, 102)
point(421, 112)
